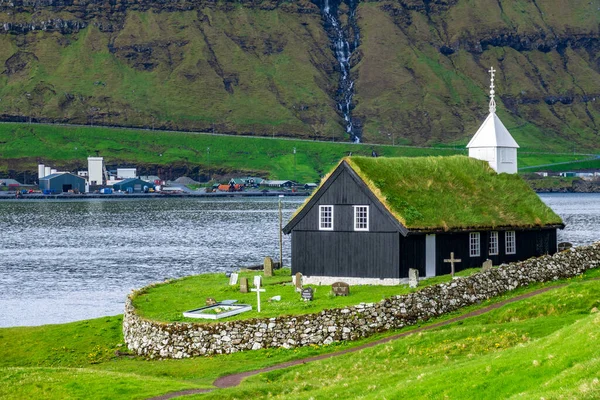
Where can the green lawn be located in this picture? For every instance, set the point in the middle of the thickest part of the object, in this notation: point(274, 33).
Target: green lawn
point(23, 146)
point(166, 302)
point(487, 356)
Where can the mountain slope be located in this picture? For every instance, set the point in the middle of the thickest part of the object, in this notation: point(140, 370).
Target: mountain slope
point(268, 67)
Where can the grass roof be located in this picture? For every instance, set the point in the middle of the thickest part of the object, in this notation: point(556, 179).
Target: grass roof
point(449, 193)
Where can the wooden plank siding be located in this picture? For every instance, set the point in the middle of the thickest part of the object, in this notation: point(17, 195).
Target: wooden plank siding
point(530, 243)
point(346, 254)
point(343, 251)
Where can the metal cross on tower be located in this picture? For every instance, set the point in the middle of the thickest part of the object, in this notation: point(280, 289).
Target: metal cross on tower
point(492, 92)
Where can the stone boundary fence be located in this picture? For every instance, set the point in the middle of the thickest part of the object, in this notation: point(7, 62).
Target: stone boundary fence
point(182, 339)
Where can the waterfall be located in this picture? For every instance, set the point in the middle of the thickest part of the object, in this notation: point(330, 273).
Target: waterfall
point(343, 49)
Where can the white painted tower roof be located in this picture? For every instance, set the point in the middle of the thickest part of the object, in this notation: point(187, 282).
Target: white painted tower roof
point(492, 133)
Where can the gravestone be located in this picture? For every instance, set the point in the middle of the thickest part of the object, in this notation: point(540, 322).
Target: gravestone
point(243, 285)
point(210, 301)
point(233, 279)
point(307, 294)
point(562, 246)
point(413, 277)
point(268, 266)
point(452, 261)
point(298, 282)
point(487, 265)
point(340, 289)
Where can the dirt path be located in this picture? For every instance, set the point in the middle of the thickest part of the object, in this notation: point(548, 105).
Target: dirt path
point(235, 379)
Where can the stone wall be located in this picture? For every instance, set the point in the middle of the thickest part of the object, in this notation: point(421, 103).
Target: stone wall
point(179, 340)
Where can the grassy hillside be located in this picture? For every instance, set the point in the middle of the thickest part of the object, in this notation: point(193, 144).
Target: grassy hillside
point(23, 146)
point(267, 67)
point(543, 346)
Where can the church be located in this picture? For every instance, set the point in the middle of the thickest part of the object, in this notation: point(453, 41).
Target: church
point(373, 219)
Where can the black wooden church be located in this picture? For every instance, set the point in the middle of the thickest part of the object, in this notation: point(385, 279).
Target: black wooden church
point(374, 218)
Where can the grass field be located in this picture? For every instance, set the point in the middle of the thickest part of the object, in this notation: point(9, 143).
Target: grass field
point(23, 146)
point(166, 302)
point(545, 346)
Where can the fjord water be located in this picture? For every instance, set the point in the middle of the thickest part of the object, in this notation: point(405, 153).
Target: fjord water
point(68, 260)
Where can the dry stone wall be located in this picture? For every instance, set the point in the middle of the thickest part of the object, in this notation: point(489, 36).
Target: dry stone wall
point(180, 340)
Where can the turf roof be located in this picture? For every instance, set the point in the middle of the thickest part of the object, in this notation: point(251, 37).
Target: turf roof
point(451, 193)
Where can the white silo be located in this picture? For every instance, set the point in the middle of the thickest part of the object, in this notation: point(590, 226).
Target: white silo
point(47, 171)
point(40, 171)
point(95, 170)
point(53, 171)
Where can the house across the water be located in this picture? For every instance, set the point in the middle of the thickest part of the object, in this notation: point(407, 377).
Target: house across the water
point(372, 219)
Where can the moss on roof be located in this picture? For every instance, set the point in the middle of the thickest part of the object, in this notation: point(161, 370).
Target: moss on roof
point(449, 193)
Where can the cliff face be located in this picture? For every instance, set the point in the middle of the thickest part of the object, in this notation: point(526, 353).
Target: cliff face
point(417, 67)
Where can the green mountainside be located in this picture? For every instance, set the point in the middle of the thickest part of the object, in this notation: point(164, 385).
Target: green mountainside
point(268, 67)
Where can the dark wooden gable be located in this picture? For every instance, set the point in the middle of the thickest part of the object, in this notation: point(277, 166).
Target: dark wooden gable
point(344, 189)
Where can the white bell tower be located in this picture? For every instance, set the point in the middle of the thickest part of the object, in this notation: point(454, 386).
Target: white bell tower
point(492, 142)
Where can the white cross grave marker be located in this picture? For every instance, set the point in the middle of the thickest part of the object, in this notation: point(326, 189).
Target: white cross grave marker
point(257, 280)
point(452, 260)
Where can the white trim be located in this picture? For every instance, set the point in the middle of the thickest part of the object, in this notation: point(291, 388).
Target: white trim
point(321, 227)
point(494, 241)
point(513, 242)
point(474, 244)
point(356, 228)
point(330, 280)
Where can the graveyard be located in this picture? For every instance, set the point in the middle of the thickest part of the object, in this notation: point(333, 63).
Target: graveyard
point(167, 301)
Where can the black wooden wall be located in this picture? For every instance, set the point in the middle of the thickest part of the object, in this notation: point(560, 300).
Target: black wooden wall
point(344, 252)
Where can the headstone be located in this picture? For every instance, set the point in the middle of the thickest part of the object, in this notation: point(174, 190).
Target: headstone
point(487, 265)
point(340, 289)
point(275, 298)
point(210, 301)
point(298, 282)
point(233, 279)
point(268, 266)
point(562, 246)
point(307, 294)
point(243, 285)
point(413, 277)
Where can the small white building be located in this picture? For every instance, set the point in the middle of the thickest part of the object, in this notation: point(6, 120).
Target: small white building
point(95, 170)
point(493, 143)
point(126, 173)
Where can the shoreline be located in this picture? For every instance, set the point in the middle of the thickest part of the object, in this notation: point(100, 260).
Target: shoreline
point(119, 196)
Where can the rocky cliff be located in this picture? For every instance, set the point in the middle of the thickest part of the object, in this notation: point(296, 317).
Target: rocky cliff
point(417, 68)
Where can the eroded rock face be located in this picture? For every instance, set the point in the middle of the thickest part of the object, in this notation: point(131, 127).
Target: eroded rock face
point(182, 340)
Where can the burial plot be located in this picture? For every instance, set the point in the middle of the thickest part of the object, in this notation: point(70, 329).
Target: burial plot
point(298, 282)
point(413, 277)
point(340, 289)
point(307, 294)
point(268, 266)
point(243, 285)
point(487, 265)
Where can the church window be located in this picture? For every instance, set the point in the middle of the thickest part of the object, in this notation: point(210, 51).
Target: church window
point(361, 218)
point(493, 243)
point(511, 246)
point(474, 244)
point(326, 218)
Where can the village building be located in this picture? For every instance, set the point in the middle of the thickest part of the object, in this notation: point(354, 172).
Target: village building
point(133, 185)
point(62, 182)
point(373, 219)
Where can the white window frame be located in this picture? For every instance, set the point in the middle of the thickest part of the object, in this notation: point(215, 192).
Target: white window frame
point(356, 216)
point(510, 242)
point(494, 249)
point(474, 244)
point(323, 227)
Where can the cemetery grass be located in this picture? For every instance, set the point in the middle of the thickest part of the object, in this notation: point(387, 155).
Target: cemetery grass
point(78, 360)
point(22, 146)
point(166, 302)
